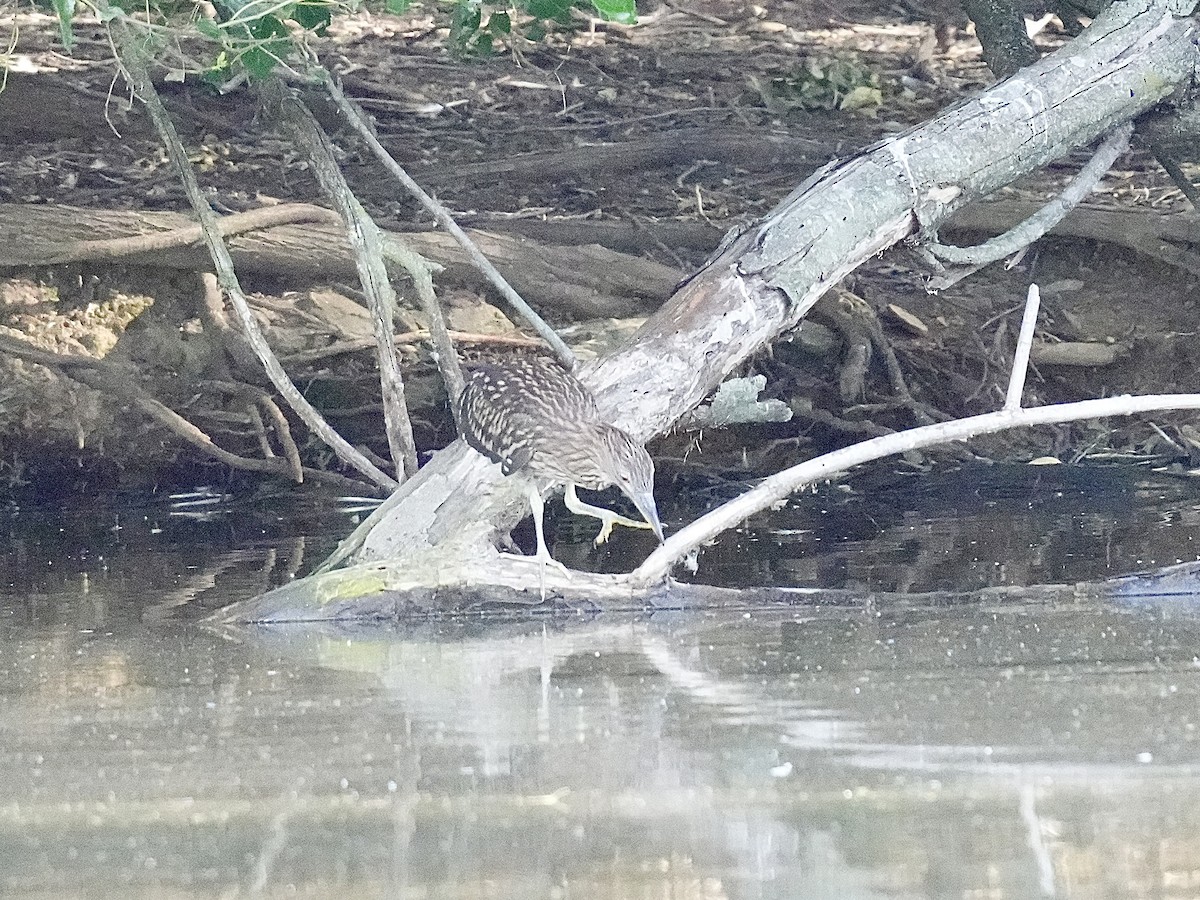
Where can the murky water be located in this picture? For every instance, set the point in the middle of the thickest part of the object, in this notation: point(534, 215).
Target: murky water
point(971, 751)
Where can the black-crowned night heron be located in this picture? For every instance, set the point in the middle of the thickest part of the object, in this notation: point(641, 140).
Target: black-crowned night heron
point(536, 419)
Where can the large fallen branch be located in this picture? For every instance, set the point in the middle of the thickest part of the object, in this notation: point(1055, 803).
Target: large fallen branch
point(387, 588)
point(437, 531)
point(579, 267)
point(582, 282)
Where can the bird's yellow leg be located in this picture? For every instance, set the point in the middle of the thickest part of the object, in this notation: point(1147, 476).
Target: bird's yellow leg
point(543, 557)
point(607, 517)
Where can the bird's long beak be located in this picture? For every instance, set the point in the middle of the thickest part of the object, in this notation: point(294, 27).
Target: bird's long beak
point(644, 501)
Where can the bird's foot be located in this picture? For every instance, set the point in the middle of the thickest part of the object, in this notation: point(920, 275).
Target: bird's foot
point(544, 559)
point(607, 517)
point(611, 519)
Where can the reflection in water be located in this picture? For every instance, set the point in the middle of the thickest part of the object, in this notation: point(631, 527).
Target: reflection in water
point(838, 754)
point(1020, 750)
point(971, 528)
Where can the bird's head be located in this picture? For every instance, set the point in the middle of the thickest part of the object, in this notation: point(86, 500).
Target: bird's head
point(625, 463)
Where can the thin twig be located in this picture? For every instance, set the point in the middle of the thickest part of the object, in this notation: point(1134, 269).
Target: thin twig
point(132, 58)
point(702, 16)
point(1020, 367)
point(778, 487)
point(420, 271)
point(260, 431)
point(1174, 444)
point(974, 258)
point(1177, 175)
point(361, 124)
point(284, 432)
point(368, 245)
point(227, 226)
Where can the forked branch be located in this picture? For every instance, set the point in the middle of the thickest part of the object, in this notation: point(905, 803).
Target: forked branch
point(368, 243)
point(970, 259)
point(359, 122)
point(780, 486)
point(132, 59)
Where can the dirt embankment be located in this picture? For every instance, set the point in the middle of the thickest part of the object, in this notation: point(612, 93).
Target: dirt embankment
point(597, 172)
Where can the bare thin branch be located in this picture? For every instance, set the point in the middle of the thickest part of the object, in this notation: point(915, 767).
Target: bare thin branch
point(778, 487)
point(360, 124)
point(132, 59)
point(420, 270)
point(260, 431)
point(367, 241)
point(284, 432)
point(1020, 368)
point(1177, 175)
point(974, 258)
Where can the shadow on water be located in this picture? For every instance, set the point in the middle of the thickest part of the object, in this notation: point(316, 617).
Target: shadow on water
point(1012, 749)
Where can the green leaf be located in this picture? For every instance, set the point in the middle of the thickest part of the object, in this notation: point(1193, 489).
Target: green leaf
point(66, 15)
point(273, 43)
point(219, 72)
point(209, 29)
point(268, 27)
point(483, 44)
point(313, 16)
point(547, 9)
point(464, 23)
point(500, 23)
point(623, 12)
point(229, 7)
point(397, 7)
point(258, 62)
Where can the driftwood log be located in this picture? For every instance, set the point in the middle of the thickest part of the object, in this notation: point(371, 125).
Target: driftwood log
point(1168, 238)
point(576, 282)
point(437, 532)
point(576, 267)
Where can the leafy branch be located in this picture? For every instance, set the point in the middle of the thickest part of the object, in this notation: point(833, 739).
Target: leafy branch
point(237, 38)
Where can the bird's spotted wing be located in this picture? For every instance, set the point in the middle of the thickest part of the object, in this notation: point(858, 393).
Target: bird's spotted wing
point(517, 413)
point(516, 459)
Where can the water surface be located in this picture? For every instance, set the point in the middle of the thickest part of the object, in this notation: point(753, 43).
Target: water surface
point(890, 750)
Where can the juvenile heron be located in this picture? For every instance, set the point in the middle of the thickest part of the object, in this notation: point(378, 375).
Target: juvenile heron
point(536, 419)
